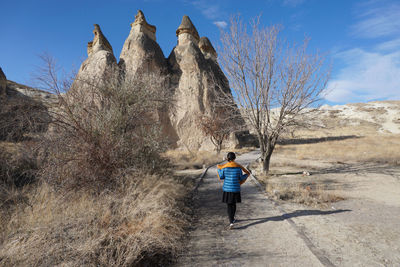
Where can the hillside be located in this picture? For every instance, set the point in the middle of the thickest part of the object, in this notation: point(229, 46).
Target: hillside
point(377, 116)
point(24, 111)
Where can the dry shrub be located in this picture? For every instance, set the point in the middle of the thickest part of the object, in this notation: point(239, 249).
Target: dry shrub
point(18, 163)
point(131, 226)
point(311, 194)
point(184, 160)
point(21, 115)
point(103, 128)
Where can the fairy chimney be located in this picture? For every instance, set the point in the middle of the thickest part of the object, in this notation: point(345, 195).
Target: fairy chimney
point(196, 78)
point(140, 52)
point(97, 68)
point(99, 42)
point(186, 32)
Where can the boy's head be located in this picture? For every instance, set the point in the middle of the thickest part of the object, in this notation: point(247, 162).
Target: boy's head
point(231, 156)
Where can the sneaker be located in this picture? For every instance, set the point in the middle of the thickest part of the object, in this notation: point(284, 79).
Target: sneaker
point(230, 226)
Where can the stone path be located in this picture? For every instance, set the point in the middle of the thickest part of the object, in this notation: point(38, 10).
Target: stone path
point(263, 236)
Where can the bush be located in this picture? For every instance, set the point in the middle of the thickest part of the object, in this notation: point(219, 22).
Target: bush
point(104, 131)
point(19, 116)
point(18, 164)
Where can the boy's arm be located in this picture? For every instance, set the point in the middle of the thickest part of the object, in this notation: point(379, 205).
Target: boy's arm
point(221, 174)
point(243, 177)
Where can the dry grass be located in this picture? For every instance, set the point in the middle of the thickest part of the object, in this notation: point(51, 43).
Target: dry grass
point(135, 224)
point(376, 148)
point(184, 160)
point(311, 194)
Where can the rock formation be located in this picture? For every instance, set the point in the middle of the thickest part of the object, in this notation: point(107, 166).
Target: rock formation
point(194, 77)
point(186, 32)
point(99, 65)
point(99, 42)
point(3, 84)
point(140, 56)
point(141, 52)
point(207, 49)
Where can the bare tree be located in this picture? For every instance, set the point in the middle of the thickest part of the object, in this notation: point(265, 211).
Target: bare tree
point(274, 81)
point(218, 127)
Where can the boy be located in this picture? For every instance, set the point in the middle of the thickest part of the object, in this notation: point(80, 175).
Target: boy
point(232, 175)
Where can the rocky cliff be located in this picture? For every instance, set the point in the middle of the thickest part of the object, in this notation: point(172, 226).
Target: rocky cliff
point(3, 84)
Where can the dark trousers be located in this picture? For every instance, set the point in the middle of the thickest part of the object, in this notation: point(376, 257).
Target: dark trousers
point(231, 212)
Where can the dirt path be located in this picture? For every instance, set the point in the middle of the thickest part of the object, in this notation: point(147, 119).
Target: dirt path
point(265, 235)
point(368, 235)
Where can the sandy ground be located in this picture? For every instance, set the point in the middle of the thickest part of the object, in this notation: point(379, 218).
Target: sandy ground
point(367, 235)
point(363, 230)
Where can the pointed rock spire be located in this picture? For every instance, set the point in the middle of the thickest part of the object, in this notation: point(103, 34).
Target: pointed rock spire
point(187, 27)
point(141, 20)
point(97, 68)
point(141, 51)
point(99, 42)
point(140, 25)
point(207, 49)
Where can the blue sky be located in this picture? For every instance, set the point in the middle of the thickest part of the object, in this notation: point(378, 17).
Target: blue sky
point(362, 38)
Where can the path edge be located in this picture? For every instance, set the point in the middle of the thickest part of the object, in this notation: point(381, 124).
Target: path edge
point(318, 253)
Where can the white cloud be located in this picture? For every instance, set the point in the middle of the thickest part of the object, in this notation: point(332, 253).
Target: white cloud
point(221, 24)
point(366, 76)
point(208, 8)
point(377, 19)
point(389, 45)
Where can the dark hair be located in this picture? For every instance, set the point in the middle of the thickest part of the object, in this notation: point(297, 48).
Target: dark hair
point(231, 156)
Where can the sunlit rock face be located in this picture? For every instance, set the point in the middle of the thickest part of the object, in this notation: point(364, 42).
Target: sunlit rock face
point(196, 79)
point(96, 69)
point(207, 49)
point(141, 53)
point(142, 56)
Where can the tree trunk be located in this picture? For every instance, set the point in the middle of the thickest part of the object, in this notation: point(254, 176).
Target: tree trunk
point(267, 155)
point(219, 147)
point(266, 161)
